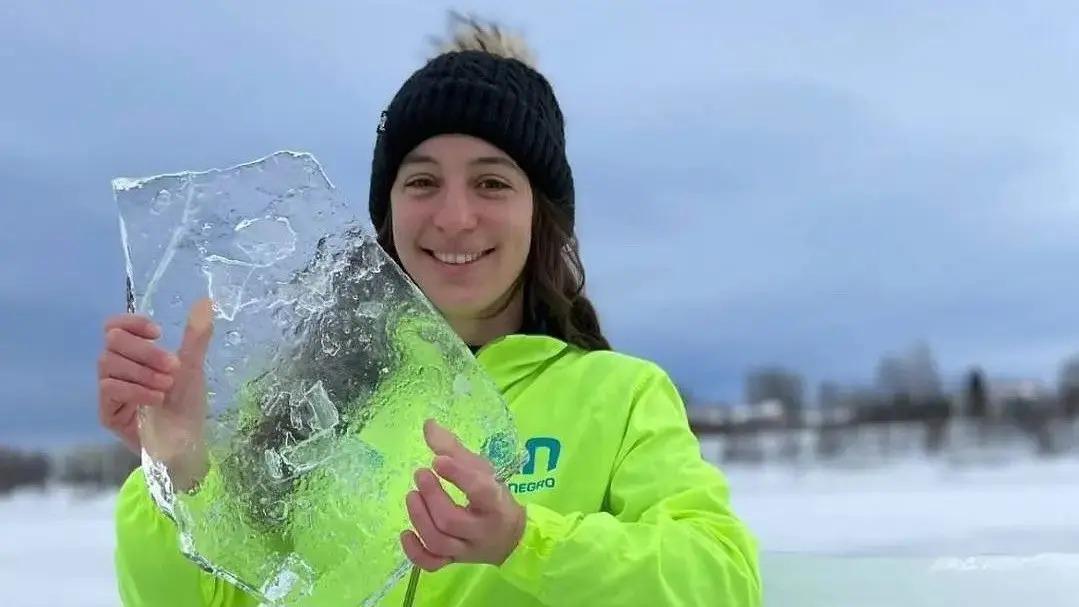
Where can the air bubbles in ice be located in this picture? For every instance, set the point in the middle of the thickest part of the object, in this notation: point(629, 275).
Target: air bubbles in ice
point(461, 386)
point(317, 296)
point(315, 416)
point(273, 464)
point(227, 280)
point(161, 202)
point(330, 345)
point(266, 240)
point(315, 410)
point(370, 309)
point(291, 580)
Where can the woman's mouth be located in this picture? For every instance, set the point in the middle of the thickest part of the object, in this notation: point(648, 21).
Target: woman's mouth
point(458, 258)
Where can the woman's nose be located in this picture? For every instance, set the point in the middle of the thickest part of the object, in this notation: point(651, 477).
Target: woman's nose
point(456, 212)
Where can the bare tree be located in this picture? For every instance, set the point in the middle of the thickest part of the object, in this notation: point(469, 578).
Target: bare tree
point(19, 469)
point(1068, 388)
point(976, 400)
point(777, 383)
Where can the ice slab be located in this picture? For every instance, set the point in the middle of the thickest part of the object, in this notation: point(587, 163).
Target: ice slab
point(325, 361)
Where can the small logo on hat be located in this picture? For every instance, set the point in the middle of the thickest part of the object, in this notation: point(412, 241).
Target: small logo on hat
point(381, 123)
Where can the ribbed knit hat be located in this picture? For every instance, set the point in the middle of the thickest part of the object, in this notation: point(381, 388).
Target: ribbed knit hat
point(482, 84)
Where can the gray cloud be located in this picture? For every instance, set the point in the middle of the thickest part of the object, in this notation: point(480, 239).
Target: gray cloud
point(823, 244)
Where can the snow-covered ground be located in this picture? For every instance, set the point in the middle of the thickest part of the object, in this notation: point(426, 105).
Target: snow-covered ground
point(916, 533)
point(56, 549)
point(913, 533)
point(913, 508)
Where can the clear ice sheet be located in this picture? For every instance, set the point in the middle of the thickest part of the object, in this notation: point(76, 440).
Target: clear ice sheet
point(325, 361)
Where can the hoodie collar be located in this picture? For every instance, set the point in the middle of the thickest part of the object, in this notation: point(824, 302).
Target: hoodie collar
point(511, 358)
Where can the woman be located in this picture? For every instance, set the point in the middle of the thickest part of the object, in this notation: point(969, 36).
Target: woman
point(472, 194)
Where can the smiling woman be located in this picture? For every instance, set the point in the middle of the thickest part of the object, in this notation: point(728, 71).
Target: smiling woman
point(472, 193)
point(462, 228)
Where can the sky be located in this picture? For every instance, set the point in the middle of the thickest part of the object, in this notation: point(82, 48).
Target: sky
point(776, 184)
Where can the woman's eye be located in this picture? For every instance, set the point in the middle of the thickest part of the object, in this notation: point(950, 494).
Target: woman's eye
point(493, 184)
point(420, 182)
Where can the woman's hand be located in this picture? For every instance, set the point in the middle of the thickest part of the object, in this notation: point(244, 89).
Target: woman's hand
point(486, 531)
point(134, 371)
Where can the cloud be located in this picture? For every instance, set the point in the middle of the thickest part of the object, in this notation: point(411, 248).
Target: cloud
point(822, 244)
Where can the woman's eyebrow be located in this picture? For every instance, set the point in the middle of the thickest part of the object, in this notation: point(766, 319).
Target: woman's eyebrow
point(417, 159)
point(495, 160)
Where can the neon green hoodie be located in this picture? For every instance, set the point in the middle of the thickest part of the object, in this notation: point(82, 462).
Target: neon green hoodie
point(622, 509)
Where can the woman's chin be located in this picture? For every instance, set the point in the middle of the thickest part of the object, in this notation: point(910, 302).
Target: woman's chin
point(465, 301)
point(459, 305)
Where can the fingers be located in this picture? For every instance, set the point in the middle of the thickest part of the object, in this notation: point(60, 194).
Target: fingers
point(116, 393)
point(436, 541)
point(112, 365)
point(197, 333)
point(121, 419)
point(420, 556)
point(132, 371)
point(479, 485)
point(139, 350)
point(125, 417)
point(134, 323)
point(484, 532)
point(441, 440)
point(111, 411)
point(444, 442)
point(119, 416)
point(448, 517)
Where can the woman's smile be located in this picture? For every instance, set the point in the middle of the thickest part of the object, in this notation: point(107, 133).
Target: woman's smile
point(457, 257)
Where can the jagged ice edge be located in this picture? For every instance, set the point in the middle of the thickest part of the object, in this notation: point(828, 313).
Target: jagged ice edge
point(123, 184)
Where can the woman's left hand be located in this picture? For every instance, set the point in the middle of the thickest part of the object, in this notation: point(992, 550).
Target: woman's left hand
point(486, 531)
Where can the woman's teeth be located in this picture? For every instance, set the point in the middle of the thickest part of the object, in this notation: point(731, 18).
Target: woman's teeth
point(457, 258)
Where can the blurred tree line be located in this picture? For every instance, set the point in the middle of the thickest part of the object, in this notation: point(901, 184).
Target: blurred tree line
point(19, 469)
point(91, 467)
point(907, 393)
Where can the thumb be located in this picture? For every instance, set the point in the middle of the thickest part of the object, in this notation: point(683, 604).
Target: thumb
point(197, 334)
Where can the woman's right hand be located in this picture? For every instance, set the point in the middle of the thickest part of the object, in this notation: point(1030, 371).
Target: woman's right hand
point(134, 371)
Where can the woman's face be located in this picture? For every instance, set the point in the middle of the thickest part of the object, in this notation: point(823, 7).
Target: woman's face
point(462, 222)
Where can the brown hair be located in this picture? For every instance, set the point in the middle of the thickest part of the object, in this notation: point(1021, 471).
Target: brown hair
point(553, 279)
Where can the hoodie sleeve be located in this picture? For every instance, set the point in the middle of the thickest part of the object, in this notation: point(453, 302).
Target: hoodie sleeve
point(668, 536)
point(150, 569)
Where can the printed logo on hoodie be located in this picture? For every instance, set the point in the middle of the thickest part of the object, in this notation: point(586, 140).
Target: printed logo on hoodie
point(551, 448)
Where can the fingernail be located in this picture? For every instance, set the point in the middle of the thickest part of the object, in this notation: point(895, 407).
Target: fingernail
point(173, 362)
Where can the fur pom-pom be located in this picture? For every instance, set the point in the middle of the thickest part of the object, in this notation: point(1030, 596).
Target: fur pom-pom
point(468, 33)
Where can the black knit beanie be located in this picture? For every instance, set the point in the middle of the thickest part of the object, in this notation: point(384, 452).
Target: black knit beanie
point(484, 93)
